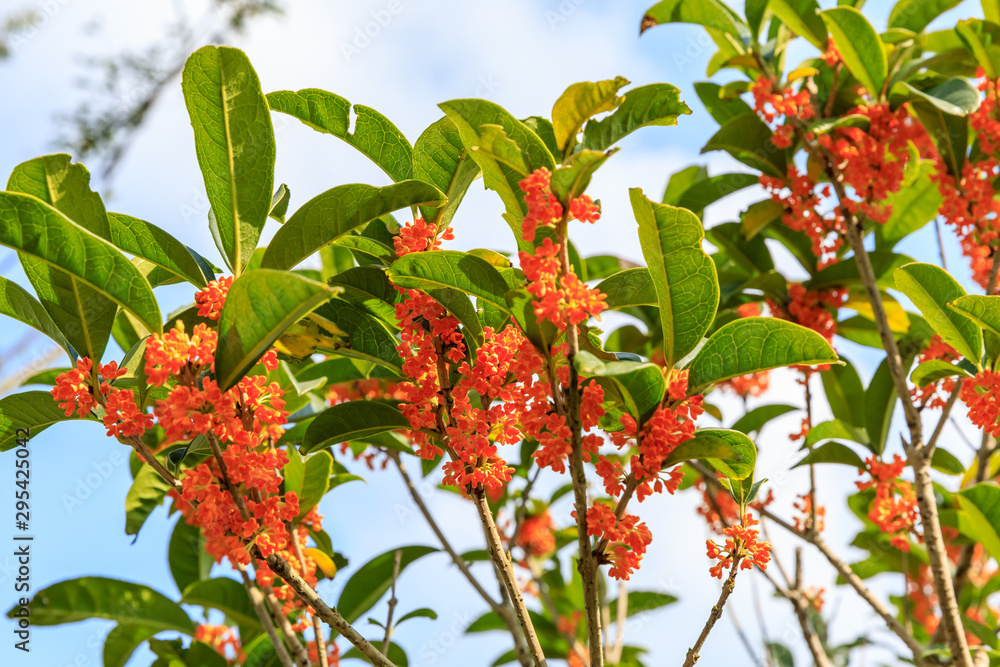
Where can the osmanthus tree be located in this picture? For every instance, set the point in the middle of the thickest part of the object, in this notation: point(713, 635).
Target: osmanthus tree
point(246, 407)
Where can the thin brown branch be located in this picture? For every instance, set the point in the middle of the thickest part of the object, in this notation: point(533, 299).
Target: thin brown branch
point(317, 627)
point(943, 419)
point(801, 604)
point(298, 650)
point(392, 602)
point(727, 589)
point(257, 600)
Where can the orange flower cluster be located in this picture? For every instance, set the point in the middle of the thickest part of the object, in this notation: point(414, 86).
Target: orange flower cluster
point(306, 569)
point(981, 396)
point(935, 394)
point(74, 390)
point(816, 310)
point(770, 102)
point(970, 204)
point(803, 522)
point(560, 298)
point(741, 544)
point(420, 236)
point(223, 639)
point(832, 55)
point(894, 510)
point(803, 200)
point(332, 653)
point(537, 536)
point(873, 161)
point(627, 538)
point(211, 299)
point(544, 208)
point(814, 598)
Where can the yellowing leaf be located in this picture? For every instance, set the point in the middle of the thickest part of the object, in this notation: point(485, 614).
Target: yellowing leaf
point(582, 101)
point(323, 562)
point(899, 321)
point(802, 73)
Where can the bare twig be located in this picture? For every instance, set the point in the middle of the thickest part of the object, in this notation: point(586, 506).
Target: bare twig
point(257, 600)
point(298, 650)
point(727, 589)
point(392, 602)
point(317, 627)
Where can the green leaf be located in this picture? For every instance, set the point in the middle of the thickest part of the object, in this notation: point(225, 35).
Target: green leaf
point(186, 555)
point(934, 370)
point(956, 96)
point(17, 302)
point(737, 470)
point(643, 601)
point(846, 272)
point(171, 653)
point(711, 189)
point(949, 132)
point(802, 17)
point(367, 338)
point(423, 612)
point(655, 105)
point(353, 420)
point(706, 444)
point(641, 384)
point(709, 13)
point(81, 599)
point(469, 117)
point(31, 410)
point(146, 493)
point(122, 641)
point(913, 206)
point(234, 140)
point(944, 461)
point(979, 517)
point(722, 109)
point(916, 15)
point(748, 139)
point(631, 287)
point(260, 306)
point(314, 480)
point(845, 393)
point(440, 158)
point(980, 38)
point(374, 135)
point(833, 452)
point(683, 275)
point(79, 277)
point(369, 288)
point(835, 428)
point(880, 403)
point(983, 310)
point(279, 203)
point(454, 269)
point(579, 103)
point(227, 595)
point(148, 241)
point(755, 420)
point(931, 289)
point(860, 46)
point(65, 187)
point(367, 586)
point(761, 214)
point(753, 344)
point(332, 214)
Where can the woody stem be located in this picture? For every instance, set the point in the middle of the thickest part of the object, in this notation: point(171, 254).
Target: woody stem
point(257, 600)
point(588, 562)
point(715, 615)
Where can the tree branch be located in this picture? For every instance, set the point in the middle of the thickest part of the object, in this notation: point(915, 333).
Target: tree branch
point(257, 600)
point(727, 589)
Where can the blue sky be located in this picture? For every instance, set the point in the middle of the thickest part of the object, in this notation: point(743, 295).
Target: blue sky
point(521, 54)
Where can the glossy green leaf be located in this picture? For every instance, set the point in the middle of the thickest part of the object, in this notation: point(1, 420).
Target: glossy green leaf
point(916, 15)
point(955, 96)
point(655, 105)
point(683, 275)
point(279, 203)
point(641, 384)
point(753, 344)
point(79, 278)
point(312, 478)
point(234, 141)
point(440, 158)
point(31, 410)
point(631, 287)
point(710, 190)
point(845, 272)
point(833, 452)
point(373, 579)
point(737, 470)
point(353, 420)
point(748, 139)
point(949, 132)
point(835, 428)
point(580, 102)
point(368, 288)
point(374, 135)
point(260, 306)
point(706, 444)
point(709, 13)
point(64, 186)
point(979, 517)
point(880, 403)
point(944, 461)
point(722, 109)
point(860, 46)
point(982, 310)
point(469, 116)
point(913, 206)
point(755, 420)
point(146, 493)
point(845, 393)
point(802, 17)
point(367, 338)
point(122, 641)
point(332, 214)
point(227, 595)
point(81, 599)
point(454, 269)
point(931, 289)
point(17, 302)
point(934, 370)
point(186, 555)
point(142, 239)
point(173, 653)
